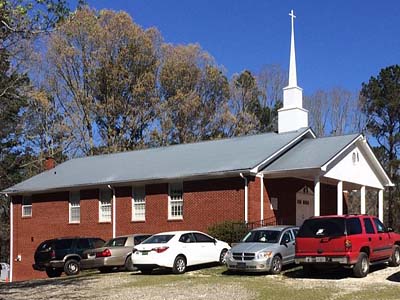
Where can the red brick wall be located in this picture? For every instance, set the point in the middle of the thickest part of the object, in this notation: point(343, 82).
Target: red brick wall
point(205, 203)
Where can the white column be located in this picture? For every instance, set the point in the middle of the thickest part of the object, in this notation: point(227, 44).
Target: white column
point(380, 205)
point(363, 207)
point(262, 197)
point(340, 198)
point(11, 239)
point(317, 190)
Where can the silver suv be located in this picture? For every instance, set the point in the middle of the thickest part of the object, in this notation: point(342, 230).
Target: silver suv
point(264, 249)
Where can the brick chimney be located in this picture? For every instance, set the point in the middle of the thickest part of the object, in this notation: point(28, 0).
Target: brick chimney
point(49, 163)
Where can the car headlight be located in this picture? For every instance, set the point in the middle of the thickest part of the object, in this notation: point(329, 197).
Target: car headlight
point(229, 254)
point(264, 254)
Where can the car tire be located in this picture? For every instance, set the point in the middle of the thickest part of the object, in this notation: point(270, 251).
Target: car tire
point(395, 258)
point(222, 256)
point(52, 273)
point(179, 266)
point(129, 264)
point(146, 271)
point(276, 265)
point(72, 267)
point(361, 268)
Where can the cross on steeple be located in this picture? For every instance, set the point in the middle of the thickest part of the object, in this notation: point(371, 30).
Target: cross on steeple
point(292, 66)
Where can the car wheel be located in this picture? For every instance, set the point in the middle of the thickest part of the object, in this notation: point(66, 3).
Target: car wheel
point(222, 256)
point(146, 271)
point(276, 264)
point(51, 273)
point(72, 267)
point(129, 264)
point(395, 258)
point(179, 265)
point(361, 268)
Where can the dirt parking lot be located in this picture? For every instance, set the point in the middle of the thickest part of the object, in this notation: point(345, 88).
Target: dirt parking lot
point(210, 283)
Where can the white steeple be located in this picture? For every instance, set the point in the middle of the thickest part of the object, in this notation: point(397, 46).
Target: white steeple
point(292, 116)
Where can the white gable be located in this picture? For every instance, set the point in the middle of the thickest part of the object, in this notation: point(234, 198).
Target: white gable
point(353, 166)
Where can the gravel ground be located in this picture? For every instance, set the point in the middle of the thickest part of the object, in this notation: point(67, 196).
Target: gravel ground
point(200, 284)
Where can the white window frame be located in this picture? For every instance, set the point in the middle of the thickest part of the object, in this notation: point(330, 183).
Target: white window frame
point(138, 202)
point(171, 186)
point(103, 204)
point(74, 203)
point(26, 206)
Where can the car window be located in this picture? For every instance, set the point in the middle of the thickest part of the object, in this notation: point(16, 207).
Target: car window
point(158, 239)
point(379, 226)
point(97, 243)
point(202, 238)
point(83, 244)
point(187, 238)
point(287, 236)
point(63, 244)
point(45, 245)
point(117, 242)
point(261, 236)
point(140, 238)
point(295, 232)
point(353, 226)
point(368, 226)
point(321, 227)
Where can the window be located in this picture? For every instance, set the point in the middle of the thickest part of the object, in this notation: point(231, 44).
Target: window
point(187, 238)
point(97, 243)
point(353, 226)
point(105, 205)
point(74, 207)
point(27, 206)
point(379, 226)
point(175, 205)
point(117, 242)
point(287, 237)
point(202, 238)
point(83, 244)
point(138, 204)
point(63, 244)
point(368, 226)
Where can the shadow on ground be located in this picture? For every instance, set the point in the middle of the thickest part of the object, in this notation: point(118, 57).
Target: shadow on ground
point(394, 277)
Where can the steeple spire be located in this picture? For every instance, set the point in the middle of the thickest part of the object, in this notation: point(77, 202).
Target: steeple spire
point(292, 67)
point(292, 116)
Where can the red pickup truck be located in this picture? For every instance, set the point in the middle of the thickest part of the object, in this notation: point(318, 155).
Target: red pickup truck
point(353, 241)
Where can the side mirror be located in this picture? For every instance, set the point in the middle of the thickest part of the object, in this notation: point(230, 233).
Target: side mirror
point(389, 229)
point(285, 242)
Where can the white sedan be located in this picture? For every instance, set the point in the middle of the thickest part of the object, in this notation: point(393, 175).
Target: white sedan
point(177, 250)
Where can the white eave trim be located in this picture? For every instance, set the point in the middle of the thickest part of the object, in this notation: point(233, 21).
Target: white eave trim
point(370, 153)
point(261, 165)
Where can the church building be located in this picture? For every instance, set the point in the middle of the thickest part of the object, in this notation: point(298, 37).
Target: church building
point(281, 177)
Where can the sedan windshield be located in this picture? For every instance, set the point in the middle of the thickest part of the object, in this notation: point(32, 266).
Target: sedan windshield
point(158, 239)
point(261, 236)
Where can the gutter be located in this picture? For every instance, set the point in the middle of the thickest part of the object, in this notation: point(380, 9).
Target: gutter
point(114, 213)
point(246, 198)
point(11, 239)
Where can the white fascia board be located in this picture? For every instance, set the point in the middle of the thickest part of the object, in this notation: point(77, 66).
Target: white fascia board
point(325, 166)
point(261, 165)
point(376, 162)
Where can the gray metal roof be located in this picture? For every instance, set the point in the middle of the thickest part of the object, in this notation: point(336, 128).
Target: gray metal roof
point(179, 161)
point(311, 153)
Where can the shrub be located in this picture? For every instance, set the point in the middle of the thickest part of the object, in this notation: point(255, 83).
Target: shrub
point(228, 231)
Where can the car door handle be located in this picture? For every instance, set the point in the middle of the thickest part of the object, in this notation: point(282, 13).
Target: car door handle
point(380, 238)
point(369, 239)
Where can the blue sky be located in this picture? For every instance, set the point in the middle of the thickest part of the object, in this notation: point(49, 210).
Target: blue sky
point(338, 43)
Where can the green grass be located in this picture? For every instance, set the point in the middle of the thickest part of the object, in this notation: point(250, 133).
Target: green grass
point(289, 285)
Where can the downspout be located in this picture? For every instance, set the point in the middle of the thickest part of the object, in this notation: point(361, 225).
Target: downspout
point(262, 198)
point(11, 239)
point(246, 198)
point(114, 213)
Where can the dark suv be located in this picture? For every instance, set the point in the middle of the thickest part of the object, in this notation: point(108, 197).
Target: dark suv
point(63, 254)
point(353, 241)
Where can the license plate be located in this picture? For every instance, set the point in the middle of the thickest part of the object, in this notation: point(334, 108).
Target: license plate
point(308, 259)
point(241, 265)
point(145, 253)
point(320, 259)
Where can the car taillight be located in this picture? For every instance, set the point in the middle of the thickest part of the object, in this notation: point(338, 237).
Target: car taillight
point(347, 244)
point(160, 249)
point(104, 253)
point(53, 254)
